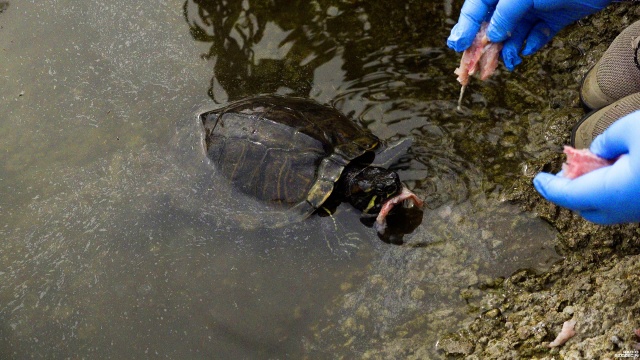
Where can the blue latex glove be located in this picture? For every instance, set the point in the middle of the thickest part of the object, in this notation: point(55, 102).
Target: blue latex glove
point(610, 195)
point(515, 22)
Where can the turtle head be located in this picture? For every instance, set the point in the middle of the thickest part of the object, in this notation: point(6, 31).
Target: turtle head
point(368, 188)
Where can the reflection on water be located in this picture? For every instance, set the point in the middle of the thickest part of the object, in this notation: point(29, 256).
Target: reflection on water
point(120, 241)
point(260, 47)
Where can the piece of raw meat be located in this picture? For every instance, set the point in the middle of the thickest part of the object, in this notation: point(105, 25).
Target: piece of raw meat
point(482, 55)
point(404, 195)
point(580, 162)
point(565, 334)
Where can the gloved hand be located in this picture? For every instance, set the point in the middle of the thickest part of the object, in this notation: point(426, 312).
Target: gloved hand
point(608, 195)
point(516, 21)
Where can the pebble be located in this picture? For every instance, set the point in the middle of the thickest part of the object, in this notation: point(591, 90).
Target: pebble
point(568, 310)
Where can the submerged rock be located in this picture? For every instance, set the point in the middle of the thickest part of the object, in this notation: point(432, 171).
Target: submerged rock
point(455, 344)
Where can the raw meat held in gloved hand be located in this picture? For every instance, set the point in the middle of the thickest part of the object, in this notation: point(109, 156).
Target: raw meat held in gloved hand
point(481, 56)
point(580, 162)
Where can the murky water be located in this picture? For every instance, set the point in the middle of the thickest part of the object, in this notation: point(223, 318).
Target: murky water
point(119, 241)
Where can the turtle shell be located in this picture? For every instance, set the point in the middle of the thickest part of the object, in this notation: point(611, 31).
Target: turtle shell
point(287, 151)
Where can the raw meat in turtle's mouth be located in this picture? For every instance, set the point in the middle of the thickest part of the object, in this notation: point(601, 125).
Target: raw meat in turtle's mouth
point(405, 197)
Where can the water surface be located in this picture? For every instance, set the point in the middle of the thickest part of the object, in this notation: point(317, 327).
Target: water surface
point(119, 240)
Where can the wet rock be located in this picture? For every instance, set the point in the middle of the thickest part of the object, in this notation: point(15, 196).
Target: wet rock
point(602, 319)
point(455, 344)
point(493, 313)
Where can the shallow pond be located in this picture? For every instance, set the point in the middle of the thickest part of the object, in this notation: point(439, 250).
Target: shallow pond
point(119, 241)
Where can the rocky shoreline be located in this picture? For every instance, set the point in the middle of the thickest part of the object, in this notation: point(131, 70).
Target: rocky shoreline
point(597, 282)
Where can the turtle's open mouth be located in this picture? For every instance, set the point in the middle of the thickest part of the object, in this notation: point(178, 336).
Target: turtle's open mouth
point(405, 197)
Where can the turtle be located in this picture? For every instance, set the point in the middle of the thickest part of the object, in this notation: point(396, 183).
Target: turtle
point(301, 155)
